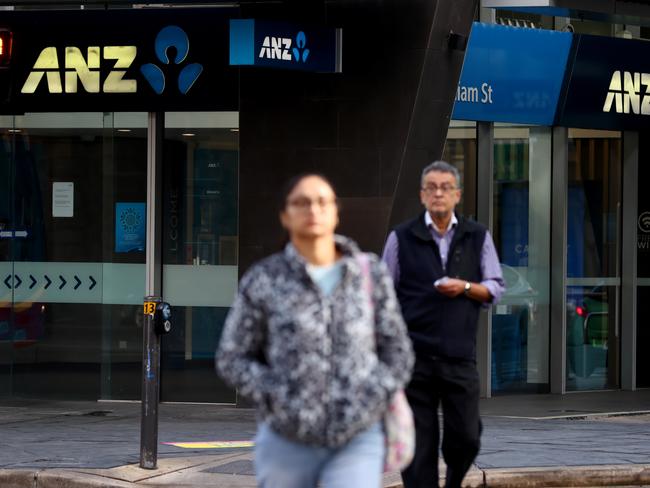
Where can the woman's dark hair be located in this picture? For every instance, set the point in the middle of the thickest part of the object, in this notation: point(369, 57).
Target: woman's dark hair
point(293, 182)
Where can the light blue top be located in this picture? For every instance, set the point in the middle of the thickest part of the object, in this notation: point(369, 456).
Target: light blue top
point(326, 277)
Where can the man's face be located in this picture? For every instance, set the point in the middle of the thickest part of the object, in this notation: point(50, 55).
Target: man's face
point(439, 193)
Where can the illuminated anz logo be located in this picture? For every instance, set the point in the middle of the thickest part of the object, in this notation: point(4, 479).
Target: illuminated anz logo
point(282, 48)
point(628, 93)
point(168, 37)
point(84, 69)
point(65, 71)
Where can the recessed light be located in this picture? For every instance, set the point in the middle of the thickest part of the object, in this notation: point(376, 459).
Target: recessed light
point(234, 130)
point(188, 134)
point(14, 130)
point(123, 130)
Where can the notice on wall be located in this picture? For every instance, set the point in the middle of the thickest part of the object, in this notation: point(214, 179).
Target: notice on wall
point(63, 199)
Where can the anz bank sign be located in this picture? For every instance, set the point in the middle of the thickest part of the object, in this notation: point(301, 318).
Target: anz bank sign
point(285, 49)
point(628, 93)
point(607, 85)
point(121, 60)
point(77, 67)
point(103, 69)
point(265, 44)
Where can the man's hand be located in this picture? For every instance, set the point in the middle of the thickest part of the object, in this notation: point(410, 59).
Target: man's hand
point(452, 287)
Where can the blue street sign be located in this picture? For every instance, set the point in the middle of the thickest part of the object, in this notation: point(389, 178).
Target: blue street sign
point(512, 75)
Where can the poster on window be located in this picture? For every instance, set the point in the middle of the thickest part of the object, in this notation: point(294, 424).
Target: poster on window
point(62, 199)
point(130, 225)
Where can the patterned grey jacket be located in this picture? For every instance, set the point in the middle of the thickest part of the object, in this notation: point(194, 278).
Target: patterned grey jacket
point(319, 368)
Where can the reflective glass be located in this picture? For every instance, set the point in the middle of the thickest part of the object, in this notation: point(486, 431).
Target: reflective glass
point(72, 291)
point(74, 200)
point(200, 249)
point(520, 322)
point(593, 260)
point(460, 150)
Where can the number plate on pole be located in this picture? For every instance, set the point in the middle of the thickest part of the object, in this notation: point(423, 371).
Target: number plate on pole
point(149, 308)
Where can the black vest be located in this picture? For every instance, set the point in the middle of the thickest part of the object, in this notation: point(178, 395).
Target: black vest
point(439, 325)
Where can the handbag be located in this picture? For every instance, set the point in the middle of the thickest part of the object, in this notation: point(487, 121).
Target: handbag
point(399, 427)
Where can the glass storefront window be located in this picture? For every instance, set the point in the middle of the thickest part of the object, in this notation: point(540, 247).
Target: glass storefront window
point(461, 151)
point(74, 201)
point(593, 260)
point(520, 322)
point(70, 294)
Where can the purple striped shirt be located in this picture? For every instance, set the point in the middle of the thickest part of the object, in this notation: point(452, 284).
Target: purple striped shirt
point(491, 275)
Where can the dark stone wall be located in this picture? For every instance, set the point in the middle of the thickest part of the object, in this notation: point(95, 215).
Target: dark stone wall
point(370, 129)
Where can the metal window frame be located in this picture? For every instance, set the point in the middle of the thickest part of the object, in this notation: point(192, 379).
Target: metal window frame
point(484, 215)
point(628, 299)
point(559, 203)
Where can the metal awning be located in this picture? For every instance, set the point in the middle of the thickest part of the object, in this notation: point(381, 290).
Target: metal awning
point(634, 12)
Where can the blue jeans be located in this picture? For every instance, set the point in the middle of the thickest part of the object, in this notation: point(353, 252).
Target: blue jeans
point(282, 463)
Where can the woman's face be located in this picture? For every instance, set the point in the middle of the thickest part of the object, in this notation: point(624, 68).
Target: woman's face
point(310, 210)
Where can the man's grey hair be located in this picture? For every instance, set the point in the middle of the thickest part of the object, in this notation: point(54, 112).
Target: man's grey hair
point(442, 167)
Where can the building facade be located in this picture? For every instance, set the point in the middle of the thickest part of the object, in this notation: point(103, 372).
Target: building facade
point(89, 94)
point(550, 128)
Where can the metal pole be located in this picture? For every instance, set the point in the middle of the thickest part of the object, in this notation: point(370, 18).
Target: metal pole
point(150, 390)
point(484, 214)
point(153, 292)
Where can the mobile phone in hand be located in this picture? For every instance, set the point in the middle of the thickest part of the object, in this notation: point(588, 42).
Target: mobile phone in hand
point(441, 281)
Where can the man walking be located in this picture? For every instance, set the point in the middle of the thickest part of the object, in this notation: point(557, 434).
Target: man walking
point(444, 268)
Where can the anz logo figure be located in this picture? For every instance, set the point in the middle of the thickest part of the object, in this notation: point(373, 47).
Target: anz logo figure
point(281, 48)
point(626, 93)
point(171, 36)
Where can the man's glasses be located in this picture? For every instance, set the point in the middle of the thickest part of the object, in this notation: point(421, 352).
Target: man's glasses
point(433, 189)
point(304, 204)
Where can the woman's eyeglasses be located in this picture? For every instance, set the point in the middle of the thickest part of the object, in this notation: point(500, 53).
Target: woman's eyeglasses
point(304, 204)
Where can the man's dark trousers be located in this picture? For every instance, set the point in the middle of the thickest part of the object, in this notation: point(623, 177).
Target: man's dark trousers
point(454, 384)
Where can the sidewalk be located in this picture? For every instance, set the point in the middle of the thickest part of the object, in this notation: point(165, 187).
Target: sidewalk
point(590, 439)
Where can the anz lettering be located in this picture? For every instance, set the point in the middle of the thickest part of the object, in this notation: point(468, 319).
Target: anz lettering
point(284, 49)
point(84, 69)
point(276, 48)
point(628, 93)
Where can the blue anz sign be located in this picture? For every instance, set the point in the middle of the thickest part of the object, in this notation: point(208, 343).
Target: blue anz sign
point(286, 46)
point(512, 75)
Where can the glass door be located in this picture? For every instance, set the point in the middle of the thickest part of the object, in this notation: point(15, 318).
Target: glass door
point(593, 260)
point(521, 229)
point(200, 249)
